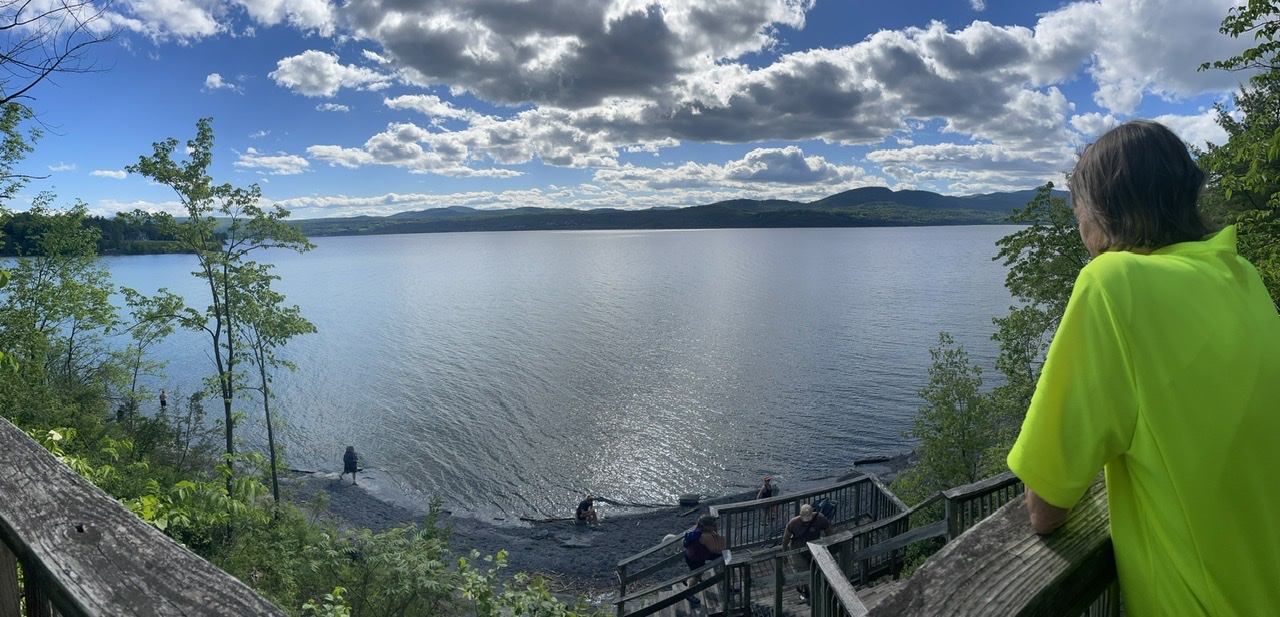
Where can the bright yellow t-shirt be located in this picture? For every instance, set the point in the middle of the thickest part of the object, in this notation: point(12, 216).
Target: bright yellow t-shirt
point(1166, 370)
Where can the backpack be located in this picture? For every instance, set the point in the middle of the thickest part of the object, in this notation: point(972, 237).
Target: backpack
point(691, 537)
point(826, 508)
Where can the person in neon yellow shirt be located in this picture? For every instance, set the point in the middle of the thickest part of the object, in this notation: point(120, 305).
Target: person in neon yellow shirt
point(1165, 372)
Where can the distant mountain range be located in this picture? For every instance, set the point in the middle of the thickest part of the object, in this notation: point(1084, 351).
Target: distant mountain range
point(864, 207)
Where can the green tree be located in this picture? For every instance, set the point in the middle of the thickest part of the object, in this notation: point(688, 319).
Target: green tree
point(54, 317)
point(1044, 258)
point(954, 427)
point(221, 257)
point(1244, 173)
point(267, 325)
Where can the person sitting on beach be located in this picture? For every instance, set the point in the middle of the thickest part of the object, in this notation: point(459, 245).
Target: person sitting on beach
point(350, 463)
point(586, 512)
point(702, 544)
point(801, 530)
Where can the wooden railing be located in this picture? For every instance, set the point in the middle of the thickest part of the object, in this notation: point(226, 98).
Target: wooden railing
point(968, 504)
point(759, 522)
point(999, 566)
point(753, 531)
point(69, 549)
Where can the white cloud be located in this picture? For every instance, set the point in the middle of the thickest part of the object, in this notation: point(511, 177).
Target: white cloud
point(308, 15)
point(260, 134)
point(63, 167)
point(332, 107)
point(215, 82)
point(776, 168)
point(316, 73)
point(432, 106)
point(1147, 48)
point(109, 173)
point(279, 164)
point(180, 20)
point(978, 5)
point(1196, 130)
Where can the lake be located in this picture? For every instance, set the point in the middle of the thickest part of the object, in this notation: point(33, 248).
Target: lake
point(509, 373)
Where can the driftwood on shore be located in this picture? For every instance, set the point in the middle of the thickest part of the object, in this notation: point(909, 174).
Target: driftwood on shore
point(546, 520)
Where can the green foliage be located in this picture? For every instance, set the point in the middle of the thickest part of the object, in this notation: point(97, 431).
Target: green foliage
point(963, 433)
point(331, 605)
point(223, 256)
point(1244, 173)
point(1044, 258)
point(15, 145)
point(954, 427)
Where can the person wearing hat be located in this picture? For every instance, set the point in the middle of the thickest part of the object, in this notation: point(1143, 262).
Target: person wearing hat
point(701, 545)
point(767, 489)
point(800, 531)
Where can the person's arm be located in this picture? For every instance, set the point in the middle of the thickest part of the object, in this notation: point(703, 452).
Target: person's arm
point(1046, 518)
point(786, 537)
point(713, 540)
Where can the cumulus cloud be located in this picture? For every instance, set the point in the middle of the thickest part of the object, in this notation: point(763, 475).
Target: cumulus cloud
point(760, 167)
point(215, 82)
point(260, 134)
point(278, 164)
point(431, 106)
point(307, 15)
point(332, 107)
point(1147, 48)
point(317, 73)
point(410, 147)
point(568, 53)
point(109, 173)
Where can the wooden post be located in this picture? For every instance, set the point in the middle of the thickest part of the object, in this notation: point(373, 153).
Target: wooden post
point(9, 592)
point(622, 588)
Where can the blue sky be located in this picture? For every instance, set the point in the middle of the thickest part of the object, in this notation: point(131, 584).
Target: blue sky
point(382, 106)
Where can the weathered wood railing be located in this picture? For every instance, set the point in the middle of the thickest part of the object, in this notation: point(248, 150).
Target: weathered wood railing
point(968, 504)
point(757, 524)
point(998, 567)
point(81, 553)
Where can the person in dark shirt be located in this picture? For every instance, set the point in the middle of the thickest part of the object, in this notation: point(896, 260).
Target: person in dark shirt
point(767, 489)
point(350, 463)
point(702, 544)
point(164, 399)
point(586, 512)
point(801, 530)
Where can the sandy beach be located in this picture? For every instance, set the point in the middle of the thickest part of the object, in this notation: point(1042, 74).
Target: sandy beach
point(575, 560)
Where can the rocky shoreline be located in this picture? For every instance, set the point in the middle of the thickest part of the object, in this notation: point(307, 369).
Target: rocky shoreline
point(575, 560)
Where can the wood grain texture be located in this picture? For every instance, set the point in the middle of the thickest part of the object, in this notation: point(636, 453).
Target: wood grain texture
point(92, 556)
point(1001, 567)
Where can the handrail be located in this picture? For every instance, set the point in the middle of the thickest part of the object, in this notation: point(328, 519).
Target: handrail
point(759, 522)
point(841, 558)
point(717, 567)
point(1020, 573)
point(83, 554)
point(968, 504)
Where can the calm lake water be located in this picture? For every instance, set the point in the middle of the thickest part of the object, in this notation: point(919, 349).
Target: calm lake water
point(510, 373)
